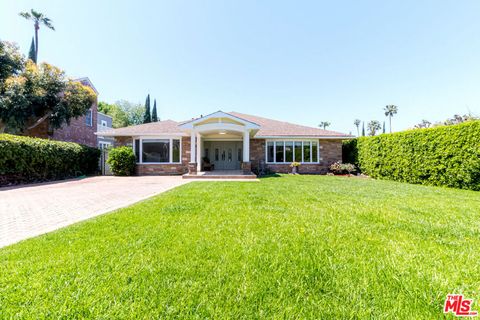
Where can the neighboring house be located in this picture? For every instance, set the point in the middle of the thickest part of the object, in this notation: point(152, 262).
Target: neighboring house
point(81, 130)
point(104, 123)
point(229, 141)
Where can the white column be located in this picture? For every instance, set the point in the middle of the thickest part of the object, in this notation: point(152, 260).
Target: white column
point(199, 152)
point(246, 146)
point(192, 147)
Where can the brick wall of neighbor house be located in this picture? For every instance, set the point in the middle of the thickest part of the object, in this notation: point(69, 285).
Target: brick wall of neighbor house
point(160, 169)
point(330, 152)
point(77, 131)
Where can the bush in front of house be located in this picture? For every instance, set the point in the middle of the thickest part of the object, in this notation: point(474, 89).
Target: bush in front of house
point(27, 159)
point(441, 156)
point(121, 161)
point(342, 168)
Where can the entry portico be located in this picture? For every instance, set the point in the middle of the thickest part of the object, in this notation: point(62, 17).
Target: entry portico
point(217, 129)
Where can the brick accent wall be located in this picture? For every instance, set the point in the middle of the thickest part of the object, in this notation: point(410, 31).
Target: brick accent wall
point(77, 131)
point(330, 152)
point(161, 169)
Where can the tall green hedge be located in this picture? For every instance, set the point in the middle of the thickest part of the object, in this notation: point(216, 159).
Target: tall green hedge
point(26, 159)
point(442, 156)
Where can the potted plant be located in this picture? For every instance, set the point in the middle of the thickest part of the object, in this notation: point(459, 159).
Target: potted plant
point(295, 166)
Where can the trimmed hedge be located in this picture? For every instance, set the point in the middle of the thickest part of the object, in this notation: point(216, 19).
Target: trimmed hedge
point(26, 159)
point(122, 161)
point(443, 156)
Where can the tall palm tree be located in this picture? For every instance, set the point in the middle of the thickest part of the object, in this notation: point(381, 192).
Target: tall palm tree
point(357, 124)
point(38, 19)
point(324, 124)
point(373, 127)
point(390, 110)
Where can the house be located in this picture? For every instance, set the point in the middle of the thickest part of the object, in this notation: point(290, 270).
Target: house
point(104, 123)
point(229, 141)
point(80, 130)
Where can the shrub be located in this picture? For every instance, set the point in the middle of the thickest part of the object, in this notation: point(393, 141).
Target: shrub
point(27, 159)
point(349, 151)
point(121, 161)
point(342, 168)
point(441, 156)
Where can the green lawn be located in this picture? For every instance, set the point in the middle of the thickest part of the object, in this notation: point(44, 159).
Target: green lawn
point(284, 247)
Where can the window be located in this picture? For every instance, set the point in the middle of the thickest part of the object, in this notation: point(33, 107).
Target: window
point(175, 150)
point(137, 150)
point(104, 123)
point(289, 151)
point(216, 154)
point(270, 152)
point(279, 150)
point(230, 155)
point(206, 153)
point(88, 118)
point(158, 150)
point(155, 150)
point(307, 157)
point(314, 151)
point(240, 155)
point(298, 151)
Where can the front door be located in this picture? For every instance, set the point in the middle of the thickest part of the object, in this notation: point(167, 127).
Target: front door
point(227, 155)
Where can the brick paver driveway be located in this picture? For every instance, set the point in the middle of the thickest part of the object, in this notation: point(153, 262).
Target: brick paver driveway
point(33, 210)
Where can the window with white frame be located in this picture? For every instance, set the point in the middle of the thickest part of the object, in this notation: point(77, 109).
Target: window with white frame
point(89, 118)
point(157, 150)
point(290, 151)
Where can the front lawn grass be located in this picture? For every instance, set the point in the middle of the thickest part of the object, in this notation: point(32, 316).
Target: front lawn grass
point(288, 247)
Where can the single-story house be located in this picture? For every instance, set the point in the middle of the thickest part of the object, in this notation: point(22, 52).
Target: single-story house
point(229, 141)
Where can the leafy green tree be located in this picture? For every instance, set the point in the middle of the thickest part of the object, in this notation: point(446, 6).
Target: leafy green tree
point(324, 124)
point(390, 111)
point(42, 93)
point(134, 111)
point(12, 62)
point(373, 127)
point(119, 116)
point(31, 54)
point(357, 124)
point(147, 118)
point(154, 111)
point(38, 19)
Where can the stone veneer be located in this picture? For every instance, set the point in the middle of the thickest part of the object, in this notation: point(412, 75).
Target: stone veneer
point(330, 152)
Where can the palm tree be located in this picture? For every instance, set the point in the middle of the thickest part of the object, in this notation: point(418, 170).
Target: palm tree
point(324, 124)
point(373, 126)
point(38, 19)
point(357, 124)
point(390, 110)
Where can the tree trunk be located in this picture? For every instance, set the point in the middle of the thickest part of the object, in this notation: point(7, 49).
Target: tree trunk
point(390, 119)
point(39, 121)
point(36, 41)
point(2, 127)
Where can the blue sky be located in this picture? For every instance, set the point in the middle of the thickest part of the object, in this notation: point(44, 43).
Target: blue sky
point(298, 61)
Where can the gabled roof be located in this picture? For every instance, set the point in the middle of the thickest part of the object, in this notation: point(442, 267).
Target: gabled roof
point(86, 82)
point(167, 127)
point(219, 114)
point(275, 128)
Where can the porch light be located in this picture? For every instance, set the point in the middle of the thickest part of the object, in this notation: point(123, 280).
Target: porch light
point(222, 132)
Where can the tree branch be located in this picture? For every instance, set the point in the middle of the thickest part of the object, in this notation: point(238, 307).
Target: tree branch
point(39, 121)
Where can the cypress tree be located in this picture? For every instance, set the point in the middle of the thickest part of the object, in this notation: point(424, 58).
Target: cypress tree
point(146, 116)
point(154, 111)
point(363, 128)
point(31, 54)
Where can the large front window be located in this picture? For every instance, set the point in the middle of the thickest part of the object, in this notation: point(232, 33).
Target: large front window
point(290, 151)
point(157, 150)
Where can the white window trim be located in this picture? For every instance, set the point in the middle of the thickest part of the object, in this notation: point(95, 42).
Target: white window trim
point(91, 119)
point(170, 151)
point(282, 141)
